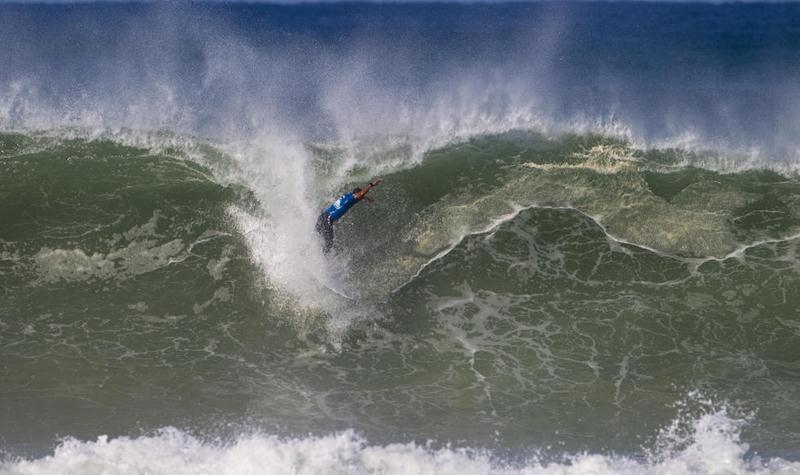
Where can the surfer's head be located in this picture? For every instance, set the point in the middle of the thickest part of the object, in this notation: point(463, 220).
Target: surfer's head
point(356, 190)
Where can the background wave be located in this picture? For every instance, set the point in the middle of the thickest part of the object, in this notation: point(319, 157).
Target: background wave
point(431, 74)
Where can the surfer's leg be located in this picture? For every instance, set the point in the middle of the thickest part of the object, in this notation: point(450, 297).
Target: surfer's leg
point(320, 223)
point(325, 229)
point(328, 235)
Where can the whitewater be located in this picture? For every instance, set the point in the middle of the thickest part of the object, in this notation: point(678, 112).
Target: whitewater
point(584, 257)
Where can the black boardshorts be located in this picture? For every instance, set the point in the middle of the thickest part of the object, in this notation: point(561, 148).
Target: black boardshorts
point(324, 228)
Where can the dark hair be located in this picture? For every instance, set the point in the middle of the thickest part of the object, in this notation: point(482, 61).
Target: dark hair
point(356, 190)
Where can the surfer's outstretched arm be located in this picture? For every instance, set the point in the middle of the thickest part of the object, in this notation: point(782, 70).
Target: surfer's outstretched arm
point(362, 193)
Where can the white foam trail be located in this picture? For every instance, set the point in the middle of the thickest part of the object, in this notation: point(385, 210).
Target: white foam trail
point(280, 235)
point(282, 241)
point(712, 447)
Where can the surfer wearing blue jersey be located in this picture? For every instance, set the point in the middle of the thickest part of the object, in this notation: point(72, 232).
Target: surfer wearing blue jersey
point(334, 212)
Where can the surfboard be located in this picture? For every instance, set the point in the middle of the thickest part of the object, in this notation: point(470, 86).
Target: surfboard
point(332, 288)
point(338, 292)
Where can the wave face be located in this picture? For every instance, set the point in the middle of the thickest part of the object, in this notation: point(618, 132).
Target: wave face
point(584, 256)
point(516, 292)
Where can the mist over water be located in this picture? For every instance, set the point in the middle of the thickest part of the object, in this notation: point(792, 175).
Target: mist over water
point(583, 258)
point(719, 77)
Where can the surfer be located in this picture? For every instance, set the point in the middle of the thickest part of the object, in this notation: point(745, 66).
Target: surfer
point(334, 212)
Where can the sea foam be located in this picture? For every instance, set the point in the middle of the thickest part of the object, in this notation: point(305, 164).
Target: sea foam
point(713, 446)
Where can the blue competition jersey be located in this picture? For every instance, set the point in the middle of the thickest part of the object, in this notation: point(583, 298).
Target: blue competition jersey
point(341, 206)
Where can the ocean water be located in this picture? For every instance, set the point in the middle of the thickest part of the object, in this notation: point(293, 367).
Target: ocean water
point(584, 257)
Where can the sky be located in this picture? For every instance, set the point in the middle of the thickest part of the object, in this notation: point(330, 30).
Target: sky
point(284, 2)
